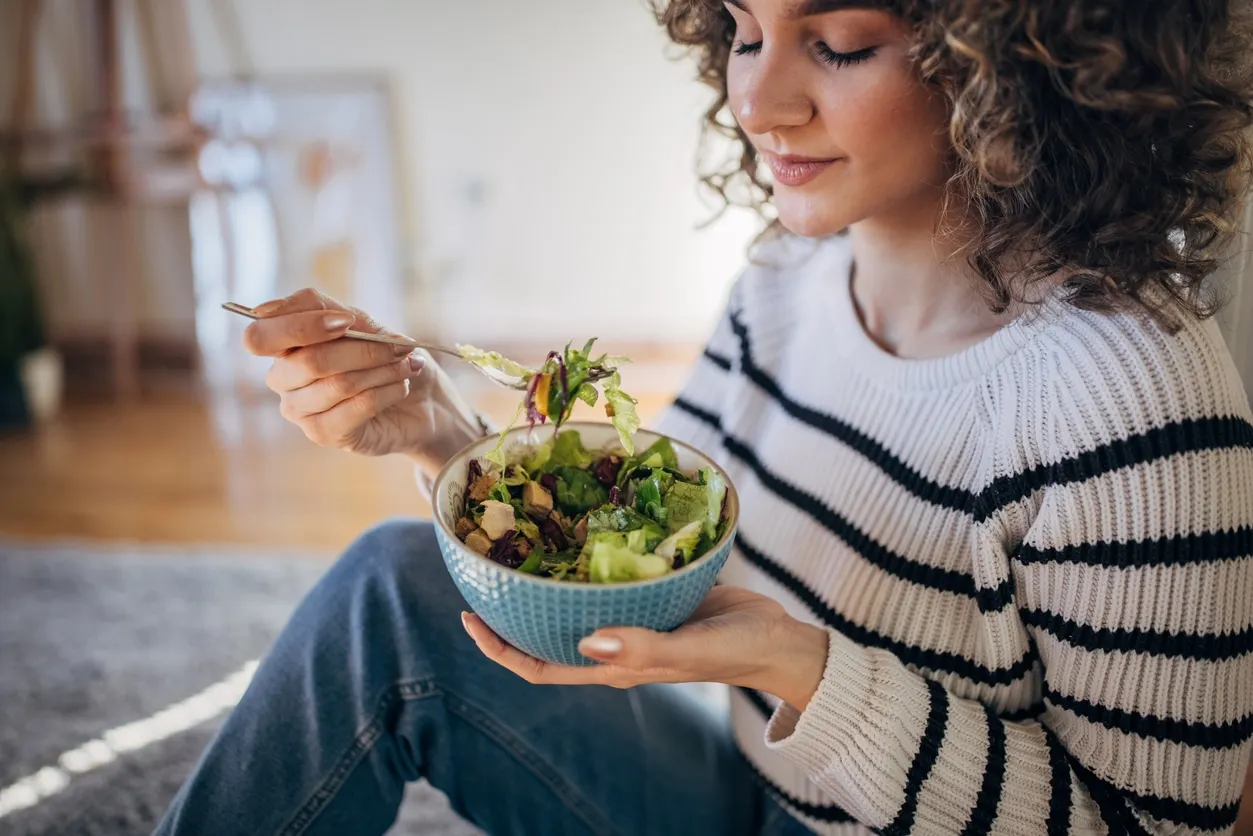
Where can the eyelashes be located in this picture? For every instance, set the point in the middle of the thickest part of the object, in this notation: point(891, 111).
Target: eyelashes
point(824, 53)
point(843, 59)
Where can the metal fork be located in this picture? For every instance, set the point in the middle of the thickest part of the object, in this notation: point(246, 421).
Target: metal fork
point(494, 375)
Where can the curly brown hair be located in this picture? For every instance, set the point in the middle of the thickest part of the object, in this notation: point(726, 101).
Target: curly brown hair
point(1103, 140)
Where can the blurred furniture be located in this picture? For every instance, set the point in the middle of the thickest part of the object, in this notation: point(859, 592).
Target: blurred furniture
point(111, 155)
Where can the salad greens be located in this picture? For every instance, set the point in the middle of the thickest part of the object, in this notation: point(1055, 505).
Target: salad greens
point(552, 390)
point(564, 512)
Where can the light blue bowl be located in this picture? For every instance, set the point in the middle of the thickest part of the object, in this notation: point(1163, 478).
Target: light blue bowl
point(548, 618)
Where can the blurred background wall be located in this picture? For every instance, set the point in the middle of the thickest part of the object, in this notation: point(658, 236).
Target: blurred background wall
point(543, 161)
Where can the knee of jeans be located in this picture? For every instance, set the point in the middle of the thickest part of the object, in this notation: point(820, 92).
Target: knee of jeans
point(398, 549)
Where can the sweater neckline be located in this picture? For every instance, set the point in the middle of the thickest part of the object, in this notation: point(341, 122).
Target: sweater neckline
point(873, 361)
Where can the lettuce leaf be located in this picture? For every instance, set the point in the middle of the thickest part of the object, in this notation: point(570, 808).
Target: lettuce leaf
point(587, 393)
point(615, 562)
point(495, 360)
point(568, 451)
point(616, 519)
point(649, 494)
point(682, 543)
point(578, 490)
point(620, 407)
point(658, 454)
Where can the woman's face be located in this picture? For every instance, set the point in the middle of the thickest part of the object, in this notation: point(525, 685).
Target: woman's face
point(827, 94)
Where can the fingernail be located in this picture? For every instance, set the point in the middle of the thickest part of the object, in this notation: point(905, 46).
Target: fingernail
point(402, 350)
point(337, 321)
point(269, 308)
point(600, 646)
point(465, 621)
point(416, 363)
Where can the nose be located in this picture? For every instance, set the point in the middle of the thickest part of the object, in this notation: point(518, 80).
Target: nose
point(773, 95)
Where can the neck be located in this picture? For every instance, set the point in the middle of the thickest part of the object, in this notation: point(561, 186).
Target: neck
point(914, 297)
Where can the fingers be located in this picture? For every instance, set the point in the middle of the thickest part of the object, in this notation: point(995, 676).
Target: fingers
point(535, 671)
point(278, 334)
point(339, 423)
point(302, 366)
point(634, 648)
point(328, 392)
point(303, 300)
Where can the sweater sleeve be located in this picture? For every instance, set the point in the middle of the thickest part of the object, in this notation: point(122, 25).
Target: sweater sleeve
point(1134, 584)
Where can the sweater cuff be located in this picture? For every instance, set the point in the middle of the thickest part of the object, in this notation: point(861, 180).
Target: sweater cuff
point(858, 731)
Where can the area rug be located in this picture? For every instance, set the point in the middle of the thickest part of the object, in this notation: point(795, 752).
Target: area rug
point(98, 643)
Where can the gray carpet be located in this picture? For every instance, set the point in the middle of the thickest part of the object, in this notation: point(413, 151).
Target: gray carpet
point(92, 638)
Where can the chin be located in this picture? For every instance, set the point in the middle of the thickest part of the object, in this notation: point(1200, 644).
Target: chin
point(812, 224)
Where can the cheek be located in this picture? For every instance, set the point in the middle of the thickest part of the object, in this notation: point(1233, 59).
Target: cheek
point(891, 131)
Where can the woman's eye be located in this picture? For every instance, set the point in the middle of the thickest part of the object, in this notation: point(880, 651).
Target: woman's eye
point(742, 48)
point(843, 59)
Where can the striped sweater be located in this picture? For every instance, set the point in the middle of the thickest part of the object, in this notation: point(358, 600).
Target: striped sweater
point(1034, 559)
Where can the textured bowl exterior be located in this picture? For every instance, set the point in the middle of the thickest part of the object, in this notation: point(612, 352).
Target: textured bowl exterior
point(548, 618)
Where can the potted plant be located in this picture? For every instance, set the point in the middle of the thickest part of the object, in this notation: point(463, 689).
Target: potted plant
point(30, 371)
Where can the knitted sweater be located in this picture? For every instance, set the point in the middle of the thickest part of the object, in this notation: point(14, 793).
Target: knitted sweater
point(1034, 559)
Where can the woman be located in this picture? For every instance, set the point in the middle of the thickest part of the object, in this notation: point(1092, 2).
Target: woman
point(995, 464)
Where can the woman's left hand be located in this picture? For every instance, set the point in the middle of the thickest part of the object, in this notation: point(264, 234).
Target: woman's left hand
point(735, 636)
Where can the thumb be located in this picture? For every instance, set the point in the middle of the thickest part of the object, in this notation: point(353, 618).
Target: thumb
point(639, 649)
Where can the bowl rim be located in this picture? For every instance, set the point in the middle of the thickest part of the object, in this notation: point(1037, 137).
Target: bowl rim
point(731, 512)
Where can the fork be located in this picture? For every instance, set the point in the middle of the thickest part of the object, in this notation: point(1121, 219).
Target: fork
point(494, 375)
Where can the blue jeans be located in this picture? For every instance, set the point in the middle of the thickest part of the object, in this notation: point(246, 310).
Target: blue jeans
point(374, 683)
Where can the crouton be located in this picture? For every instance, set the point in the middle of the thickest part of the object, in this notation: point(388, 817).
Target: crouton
point(536, 501)
point(481, 488)
point(479, 542)
point(497, 518)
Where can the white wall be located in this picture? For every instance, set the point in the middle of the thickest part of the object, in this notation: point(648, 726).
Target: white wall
point(566, 114)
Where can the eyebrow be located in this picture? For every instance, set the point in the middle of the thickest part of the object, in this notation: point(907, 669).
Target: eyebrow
point(809, 8)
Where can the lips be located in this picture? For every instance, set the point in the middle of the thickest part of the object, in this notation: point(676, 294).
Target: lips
point(790, 170)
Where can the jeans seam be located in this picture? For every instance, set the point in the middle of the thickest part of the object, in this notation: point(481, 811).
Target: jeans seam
point(537, 764)
point(413, 690)
point(361, 744)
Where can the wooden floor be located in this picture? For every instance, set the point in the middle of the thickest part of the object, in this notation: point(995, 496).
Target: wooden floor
point(182, 467)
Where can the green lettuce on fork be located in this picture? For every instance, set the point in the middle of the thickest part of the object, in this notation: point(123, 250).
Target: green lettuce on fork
point(553, 389)
point(563, 512)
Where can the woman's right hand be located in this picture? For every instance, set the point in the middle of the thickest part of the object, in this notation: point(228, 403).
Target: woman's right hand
point(355, 395)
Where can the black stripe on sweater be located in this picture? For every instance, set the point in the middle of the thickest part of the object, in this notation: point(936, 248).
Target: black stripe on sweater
point(1178, 550)
point(1059, 779)
point(698, 412)
point(1191, 435)
point(1114, 801)
point(936, 660)
point(924, 761)
point(829, 813)
point(907, 477)
point(1188, 436)
point(983, 816)
point(1206, 647)
point(933, 577)
point(718, 360)
point(1204, 735)
point(997, 599)
point(1117, 816)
